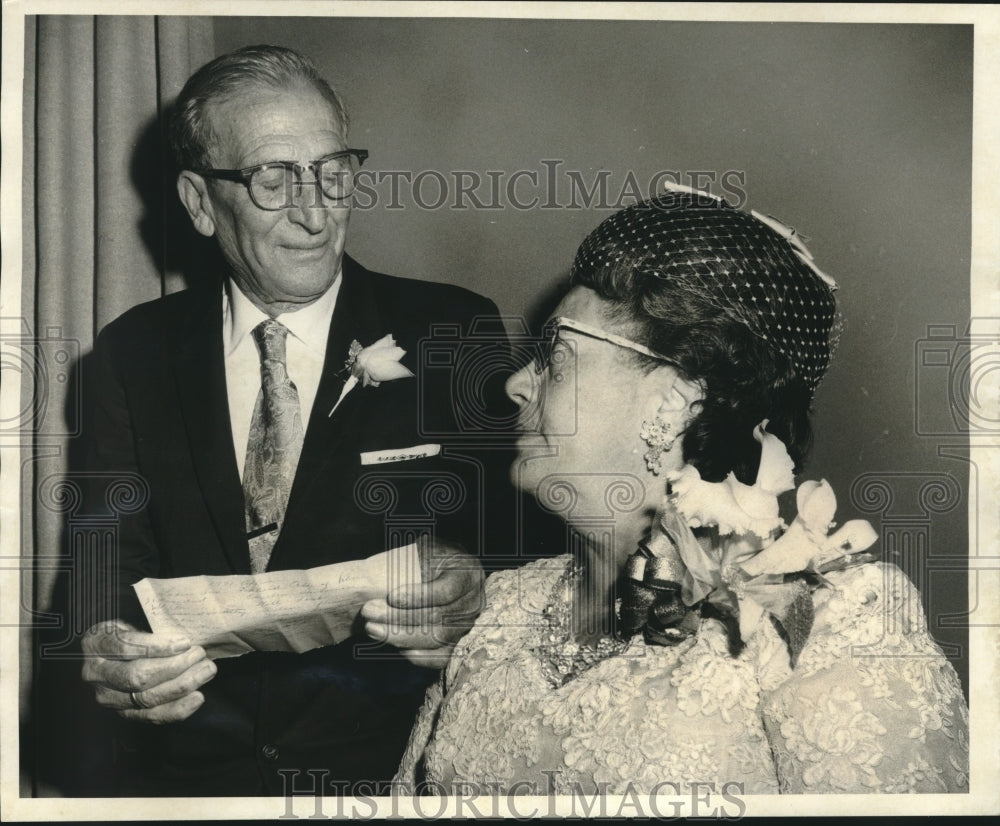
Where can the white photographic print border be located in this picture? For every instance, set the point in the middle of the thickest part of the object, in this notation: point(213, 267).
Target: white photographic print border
point(984, 467)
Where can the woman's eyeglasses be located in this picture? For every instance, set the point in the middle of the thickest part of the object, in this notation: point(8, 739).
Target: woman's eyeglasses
point(546, 351)
point(272, 185)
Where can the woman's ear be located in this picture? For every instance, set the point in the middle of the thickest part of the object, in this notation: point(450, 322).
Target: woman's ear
point(672, 397)
point(667, 407)
point(193, 192)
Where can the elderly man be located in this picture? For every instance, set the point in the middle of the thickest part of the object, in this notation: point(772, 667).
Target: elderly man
point(220, 397)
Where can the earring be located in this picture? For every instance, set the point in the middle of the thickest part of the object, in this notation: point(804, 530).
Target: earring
point(656, 434)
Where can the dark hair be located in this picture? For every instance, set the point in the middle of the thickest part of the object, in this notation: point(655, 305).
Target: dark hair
point(273, 67)
point(715, 289)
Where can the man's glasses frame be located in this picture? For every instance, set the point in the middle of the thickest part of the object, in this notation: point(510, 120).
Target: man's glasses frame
point(551, 336)
point(246, 175)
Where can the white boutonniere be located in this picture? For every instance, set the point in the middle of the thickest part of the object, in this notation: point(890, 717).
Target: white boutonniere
point(372, 365)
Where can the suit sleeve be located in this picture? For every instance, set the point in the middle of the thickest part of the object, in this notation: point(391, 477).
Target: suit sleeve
point(115, 485)
point(481, 418)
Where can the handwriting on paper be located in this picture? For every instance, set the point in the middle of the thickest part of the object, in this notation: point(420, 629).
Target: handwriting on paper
point(277, 611)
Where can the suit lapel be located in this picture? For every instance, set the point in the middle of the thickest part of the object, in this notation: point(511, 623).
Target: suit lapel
point(200, 376)
point(329, 439)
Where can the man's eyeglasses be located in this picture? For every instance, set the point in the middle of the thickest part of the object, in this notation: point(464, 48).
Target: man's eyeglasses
point(272, 185)
point(546, 353)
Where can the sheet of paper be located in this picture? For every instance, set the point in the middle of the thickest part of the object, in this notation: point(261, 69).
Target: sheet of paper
point(277, 611)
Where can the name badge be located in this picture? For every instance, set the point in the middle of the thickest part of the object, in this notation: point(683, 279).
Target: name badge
point(402, 454)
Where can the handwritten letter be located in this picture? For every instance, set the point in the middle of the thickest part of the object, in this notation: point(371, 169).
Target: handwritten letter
point(277, 611)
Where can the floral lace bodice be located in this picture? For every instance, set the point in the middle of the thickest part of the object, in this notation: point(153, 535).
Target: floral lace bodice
point(871, 705)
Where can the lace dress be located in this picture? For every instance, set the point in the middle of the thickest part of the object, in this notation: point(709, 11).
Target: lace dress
point(871, 706)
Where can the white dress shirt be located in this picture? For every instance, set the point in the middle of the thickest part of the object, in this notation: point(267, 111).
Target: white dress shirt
point(305, 349)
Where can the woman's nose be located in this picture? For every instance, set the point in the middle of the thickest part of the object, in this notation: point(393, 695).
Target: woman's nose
point(520, 387)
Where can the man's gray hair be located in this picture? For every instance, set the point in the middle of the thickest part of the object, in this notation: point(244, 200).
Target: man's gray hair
point(274, 67)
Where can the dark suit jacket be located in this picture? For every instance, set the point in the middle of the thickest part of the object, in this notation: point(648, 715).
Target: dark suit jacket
point(159, 409)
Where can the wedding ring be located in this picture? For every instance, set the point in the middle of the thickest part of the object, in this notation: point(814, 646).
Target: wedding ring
point(135, 701)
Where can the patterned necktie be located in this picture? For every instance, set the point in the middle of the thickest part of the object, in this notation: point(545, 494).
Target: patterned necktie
point(273, 447)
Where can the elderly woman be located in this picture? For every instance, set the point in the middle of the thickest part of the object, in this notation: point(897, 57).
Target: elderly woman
point(691, 634)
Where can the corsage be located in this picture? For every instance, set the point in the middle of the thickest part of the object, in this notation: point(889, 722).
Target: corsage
point(759, 567)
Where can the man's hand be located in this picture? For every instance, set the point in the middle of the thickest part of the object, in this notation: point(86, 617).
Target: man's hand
point(149, 677)
point(426, 620)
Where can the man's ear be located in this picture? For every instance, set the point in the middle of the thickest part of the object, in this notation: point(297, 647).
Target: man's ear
point(193, 192)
